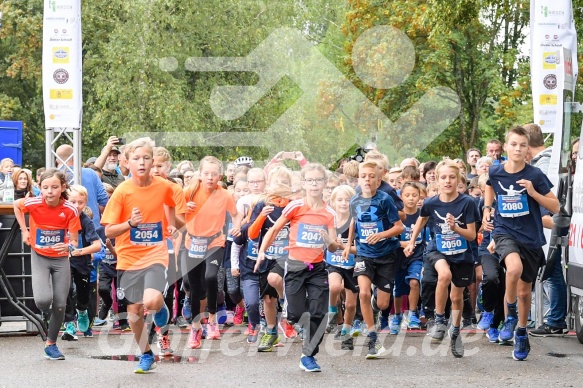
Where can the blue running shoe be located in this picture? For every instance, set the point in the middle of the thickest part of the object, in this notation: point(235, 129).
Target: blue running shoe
point(486, 320)
point(383, 323)
point(521, 347)
point(146, 365)
point(493, 334)
point(83, 321)
point(99, 322)
point(162, 316)
point(53, 353)
point(356, 328)
point(88, 333)
point(414, 321)
point(222, 314)
point(396, 324)
point(186, 312)
point(309, 364)
point(507, 333)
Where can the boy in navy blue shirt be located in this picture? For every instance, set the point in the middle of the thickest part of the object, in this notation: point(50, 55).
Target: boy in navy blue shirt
point(451, 218)
point(519, 190)
point(375, 219)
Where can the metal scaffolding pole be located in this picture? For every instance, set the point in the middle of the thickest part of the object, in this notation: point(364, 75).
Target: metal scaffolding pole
point(72, 136)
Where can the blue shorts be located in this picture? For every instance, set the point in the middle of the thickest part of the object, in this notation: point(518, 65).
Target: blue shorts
point(402, 277)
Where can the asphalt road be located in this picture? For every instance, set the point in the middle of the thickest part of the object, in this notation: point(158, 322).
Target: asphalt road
point(411, 361)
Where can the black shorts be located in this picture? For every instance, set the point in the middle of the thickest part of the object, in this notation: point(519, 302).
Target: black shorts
point(347, 277)
point(462, 274)
point(381, 272)
point(532, 259)
point(264, 287)
point(132, 283)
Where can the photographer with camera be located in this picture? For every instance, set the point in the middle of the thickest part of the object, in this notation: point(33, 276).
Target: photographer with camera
point(108, 161)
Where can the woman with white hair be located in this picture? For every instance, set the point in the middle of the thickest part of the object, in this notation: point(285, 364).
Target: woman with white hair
point(483, 165)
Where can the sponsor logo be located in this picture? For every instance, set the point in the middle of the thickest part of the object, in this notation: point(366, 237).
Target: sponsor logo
point(61, 76)
point(550, 60)
point(61, 94)
point(120, 293)
point(62, 215)
point(550, 81)
point(548, 99)
point(215, 262)
point(360, 266)
point(61, 55)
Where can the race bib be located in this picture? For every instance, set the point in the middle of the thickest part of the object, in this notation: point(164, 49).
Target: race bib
point(309, 236)
point(252, 249)
point(407, 233)
point(335, 258)
point(366, 229)
point(198, 247)
point(513, 205)
point(109, 257)
point(47, 238)
point(147, 234)
point(451, 243)
point(229, 227)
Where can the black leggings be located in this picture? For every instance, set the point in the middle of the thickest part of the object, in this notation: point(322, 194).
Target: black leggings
point(78, 297)
point(107, 277)
point(202, 277)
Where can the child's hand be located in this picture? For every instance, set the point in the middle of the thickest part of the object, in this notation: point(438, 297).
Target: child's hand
point(190, 206)
point(136, 218)
point(26, 237)
point(374, 238)
point(235, 272)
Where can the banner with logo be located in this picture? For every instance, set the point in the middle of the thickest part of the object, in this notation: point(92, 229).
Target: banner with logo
point(61, 68)
point(552, 28)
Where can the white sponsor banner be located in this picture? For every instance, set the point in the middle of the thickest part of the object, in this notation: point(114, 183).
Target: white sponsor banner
point(552, 28)
point(61, 69)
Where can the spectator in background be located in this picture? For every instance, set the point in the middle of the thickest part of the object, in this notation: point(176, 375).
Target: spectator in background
point(483, 165)
point(96, 196)
point(494, 151)
point(472, 157)
point(429, 175)
point(22, 180)
point(108, 161)
point(229, 174)
point(574, 154)
point(39, 172)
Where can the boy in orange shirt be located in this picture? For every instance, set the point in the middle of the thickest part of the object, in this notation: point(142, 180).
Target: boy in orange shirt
point(135, 217)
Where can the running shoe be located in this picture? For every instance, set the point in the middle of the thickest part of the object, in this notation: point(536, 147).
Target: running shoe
point(221, 314)
point(356, 328)
point(493, 334)
point(83, 320)
point(99, 322)
point(70, 333)
point(164, 345)
point(375, 349)
point(332, 324)
point(456, 345)
point(125, 327)
point(288, 329)
point(194, 338)
point(467, 324)
point(507, 332)
point(437, 332)
point(115, 326)
point(395, 326)
point(486, 320)
point(414, 321)
point(186, 312)
point(309, 364)
point(213, 332)
point(88, 333)
point(521, 347)
point(147, 364)
point(162, 316)
point(547, 331)
point(268, 341)
point(341, 334)
point(253, 333)
point(53, 353)
point(347, 344)
point(239, 314)
point(181, 322)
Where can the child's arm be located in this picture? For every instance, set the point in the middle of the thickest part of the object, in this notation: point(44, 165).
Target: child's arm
point(347, 249)
point(269, 238)
point(93, 248)
point(469, 233)
point(419, 225)
point(19, 214)
point(395, 230)
point(548, 201)
point(331, 243)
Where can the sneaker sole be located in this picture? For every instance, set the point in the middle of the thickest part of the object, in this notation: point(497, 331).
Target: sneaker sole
point(69, 337)
point(54, 359)
point(380, 354)
point(518, 359)
point(145, 372)
point(546, 335)
point(302, 367)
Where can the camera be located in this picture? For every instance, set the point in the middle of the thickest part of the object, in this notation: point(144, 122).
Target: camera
point(121, 140)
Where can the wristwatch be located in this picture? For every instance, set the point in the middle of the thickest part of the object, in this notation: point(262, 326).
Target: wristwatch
point(487, 207)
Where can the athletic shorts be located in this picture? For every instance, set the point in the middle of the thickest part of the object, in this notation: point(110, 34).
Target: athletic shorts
point(462, 274)
point(131, 284)
point(380, 272)
point(347, 275)
point(403, 276)
point(264, 287)
point(532, 259)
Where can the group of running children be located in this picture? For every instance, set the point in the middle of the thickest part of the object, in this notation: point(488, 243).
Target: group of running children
point(316, 253)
